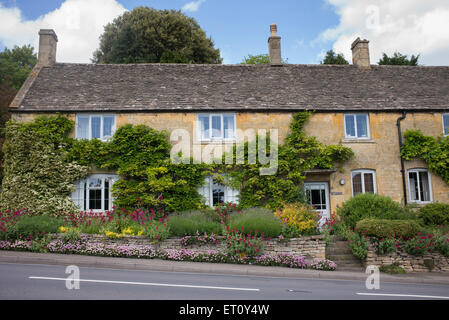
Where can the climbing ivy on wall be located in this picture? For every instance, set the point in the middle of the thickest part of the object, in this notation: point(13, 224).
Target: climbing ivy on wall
point(36, 175)
point(42, 163)
point(148, 179)
point(298, 154)
point(434, 151)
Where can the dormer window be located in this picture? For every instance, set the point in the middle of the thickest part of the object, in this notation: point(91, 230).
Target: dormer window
point(91, 126)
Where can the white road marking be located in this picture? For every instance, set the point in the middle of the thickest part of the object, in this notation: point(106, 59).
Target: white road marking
point(148, 284)
point(401, 295)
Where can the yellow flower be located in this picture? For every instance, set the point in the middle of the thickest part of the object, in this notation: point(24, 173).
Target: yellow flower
point(128, 231)
point(112, 235)
point(62, 229)
point(140, 233)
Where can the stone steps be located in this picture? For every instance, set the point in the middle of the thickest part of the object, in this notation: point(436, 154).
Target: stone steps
point(339, 252)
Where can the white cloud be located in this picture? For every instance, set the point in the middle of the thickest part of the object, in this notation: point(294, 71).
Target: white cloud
point(405, 26)
point(193, 6)
point(77, 23)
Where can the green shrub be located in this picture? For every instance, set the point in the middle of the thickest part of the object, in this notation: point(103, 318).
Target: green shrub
point(256, 221)
point(383, 228)
point(36, 226)
point(239, 244)
point(392, 269)
point(370, 205)
point(72, 234)
point(188, 223)
point(388, 245)
point(434, 214)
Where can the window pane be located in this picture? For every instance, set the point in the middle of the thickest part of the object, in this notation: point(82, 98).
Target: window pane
point(357, 183)
point(446, 124)
point(216, 127)
point(108, 125)
point(94, 183)
point(424, 186)
point(369, 182)
point(204, 126)
point(82, 130)
point(77, 195)
point(96, 126)
point(362, 125)
point(350, 125)
point(413, 186)
point(217, 194)
point(95, 199)
point(106, 194)
point(228, 123)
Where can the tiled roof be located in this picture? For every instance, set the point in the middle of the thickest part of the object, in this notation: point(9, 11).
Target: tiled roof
point(181, 87)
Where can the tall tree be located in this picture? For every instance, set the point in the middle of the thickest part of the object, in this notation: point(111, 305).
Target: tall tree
point(147, 35)
point(399, 59)
point(7, 93)
point(15, 66)
point(259, 59)
point(334, 58)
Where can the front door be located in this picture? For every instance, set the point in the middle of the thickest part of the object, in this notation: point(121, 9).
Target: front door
point(317, 194)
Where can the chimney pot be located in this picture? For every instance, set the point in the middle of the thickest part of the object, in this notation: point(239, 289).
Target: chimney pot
point(274, 30)
point(274, 46)
point(360, 53)
point(47, 47)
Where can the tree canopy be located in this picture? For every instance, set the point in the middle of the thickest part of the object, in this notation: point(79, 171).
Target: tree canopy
point(147, 35)
point(334, 58)
point(16, 65)
point(258, 59)
point(399, 59)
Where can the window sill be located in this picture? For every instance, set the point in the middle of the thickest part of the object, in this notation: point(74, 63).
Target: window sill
point(350, 140)
point(217, 142)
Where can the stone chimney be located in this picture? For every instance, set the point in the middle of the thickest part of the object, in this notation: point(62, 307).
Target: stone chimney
point(274, 46)
point(360, 53)
point(47, 47)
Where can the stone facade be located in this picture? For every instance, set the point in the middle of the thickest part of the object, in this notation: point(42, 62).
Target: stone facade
point(379, 153)
point(312, 247)
point(410, 263)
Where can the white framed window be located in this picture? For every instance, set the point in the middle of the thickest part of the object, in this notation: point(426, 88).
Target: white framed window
point(90, 126)
point(419, 185)
point(356, 126)
point(94, 193)
point(216, 193)
point(446, 124)
point(216, 126)
point(363, 181)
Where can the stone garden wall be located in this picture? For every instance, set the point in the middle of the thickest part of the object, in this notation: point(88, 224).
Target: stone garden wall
point(312, 246)
point(410, 263)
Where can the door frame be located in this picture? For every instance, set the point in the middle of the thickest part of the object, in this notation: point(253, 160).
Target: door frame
point(327, 198)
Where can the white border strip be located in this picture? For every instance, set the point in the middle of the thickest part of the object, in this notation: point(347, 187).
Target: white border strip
point(146, 284)
point(401, 295)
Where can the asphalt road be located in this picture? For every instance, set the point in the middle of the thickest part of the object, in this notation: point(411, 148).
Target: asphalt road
point(32, 281)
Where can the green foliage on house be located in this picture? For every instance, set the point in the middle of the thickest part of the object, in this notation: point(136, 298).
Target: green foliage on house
point(434, 151)
point(42, 163)
point(298, 154)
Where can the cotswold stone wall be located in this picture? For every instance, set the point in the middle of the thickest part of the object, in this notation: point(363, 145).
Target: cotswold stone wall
point(312, 247)
point(410, 263)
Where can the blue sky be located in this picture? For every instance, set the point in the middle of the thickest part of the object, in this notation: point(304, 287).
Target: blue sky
point(239, 28)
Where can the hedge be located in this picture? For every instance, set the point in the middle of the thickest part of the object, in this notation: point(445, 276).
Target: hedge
point(383, 228)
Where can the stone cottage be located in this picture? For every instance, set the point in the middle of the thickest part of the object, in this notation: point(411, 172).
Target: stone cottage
point(363, 106)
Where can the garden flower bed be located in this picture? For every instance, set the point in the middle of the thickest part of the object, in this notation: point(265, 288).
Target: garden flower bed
point(85, 247)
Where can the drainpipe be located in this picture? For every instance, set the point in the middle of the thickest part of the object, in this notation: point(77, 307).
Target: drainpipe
point(404, 115)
